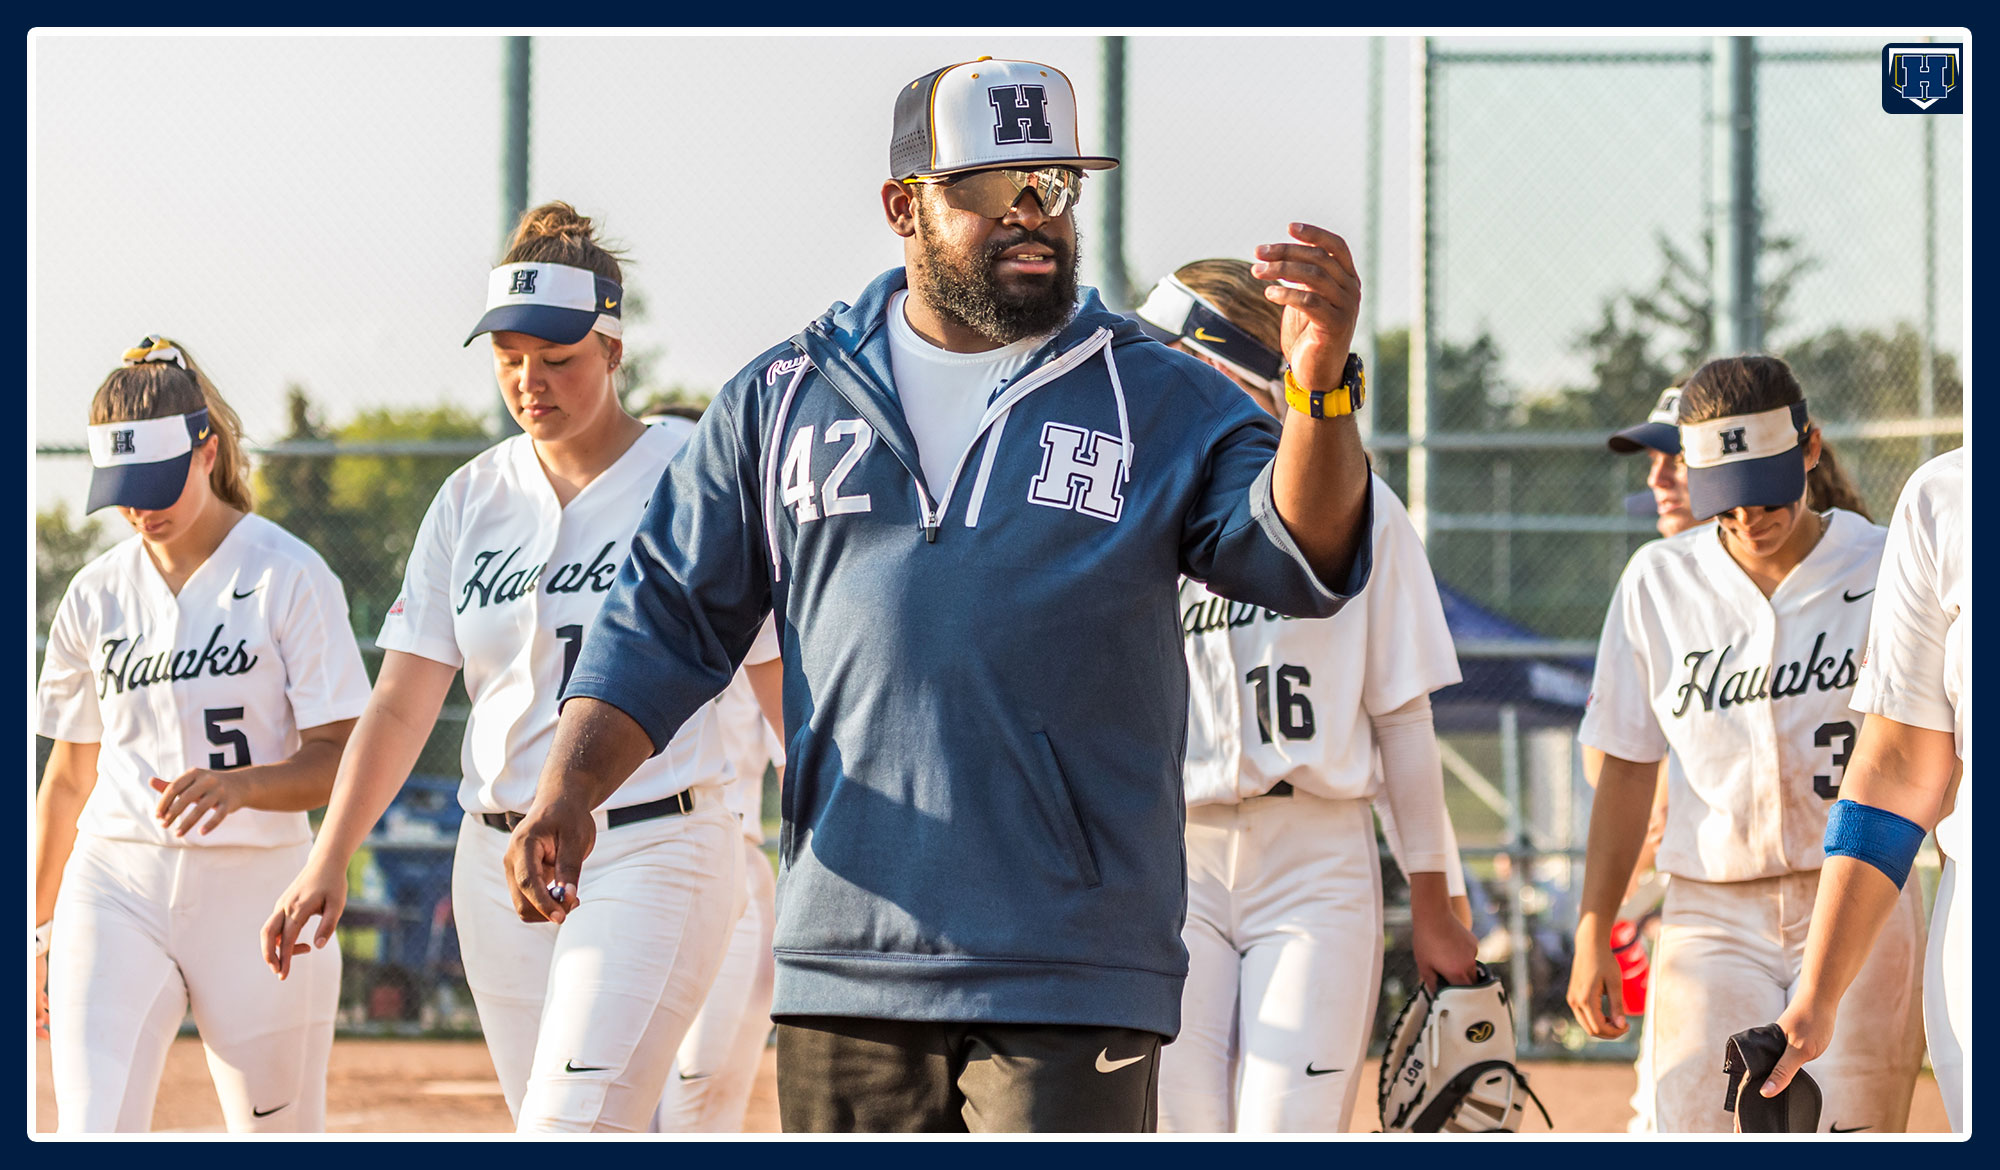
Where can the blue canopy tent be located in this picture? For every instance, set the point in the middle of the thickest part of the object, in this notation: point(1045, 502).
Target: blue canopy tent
point(1545, 690)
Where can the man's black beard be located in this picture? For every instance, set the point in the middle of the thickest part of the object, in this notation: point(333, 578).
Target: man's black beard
point(962, 290)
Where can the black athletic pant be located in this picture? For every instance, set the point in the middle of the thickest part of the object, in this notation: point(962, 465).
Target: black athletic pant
point(840, 1074)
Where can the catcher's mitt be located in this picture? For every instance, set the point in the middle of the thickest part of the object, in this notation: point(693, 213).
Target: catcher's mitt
point(1449, 1067)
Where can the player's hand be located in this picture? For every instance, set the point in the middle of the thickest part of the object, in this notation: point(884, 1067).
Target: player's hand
point(1321, 312)
point(1808, 1027)
point(1595, 982)
point(319, 891)
point(545, 858)
point(41, 995)
point(1443, 947)
point(194, 792)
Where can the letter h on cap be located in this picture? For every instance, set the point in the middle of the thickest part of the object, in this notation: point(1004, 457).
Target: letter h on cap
point(1733, 442)
point(1020, 114)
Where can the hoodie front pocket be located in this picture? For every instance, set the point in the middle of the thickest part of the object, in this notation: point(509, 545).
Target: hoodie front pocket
point(1059, 808)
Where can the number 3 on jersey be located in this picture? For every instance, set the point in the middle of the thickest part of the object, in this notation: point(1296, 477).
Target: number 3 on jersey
point(1828, 787)
point(1294, 711)
point(797, 487)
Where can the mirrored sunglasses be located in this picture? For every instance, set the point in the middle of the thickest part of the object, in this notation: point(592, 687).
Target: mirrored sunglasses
point(992, 193)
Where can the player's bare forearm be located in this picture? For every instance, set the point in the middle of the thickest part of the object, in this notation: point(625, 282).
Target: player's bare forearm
point(597, 747)
point(1319, 483)
point(409, 692)
point(303, 781)
point(1905, 770)
point(1618, 816)
point(66, 786)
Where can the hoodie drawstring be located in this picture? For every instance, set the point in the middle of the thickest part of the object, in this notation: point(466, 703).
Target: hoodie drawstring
point(1124, 424)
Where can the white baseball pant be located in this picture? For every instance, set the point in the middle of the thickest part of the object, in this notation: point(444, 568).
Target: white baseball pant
point(582, 1020)
point(709, 1089)
point(1729, 958)
point(1284, 938)
point(1948, 988)
point(143, 932)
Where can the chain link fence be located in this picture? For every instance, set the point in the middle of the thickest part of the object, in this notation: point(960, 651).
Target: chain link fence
point(1560, 220)
point(1567, 204)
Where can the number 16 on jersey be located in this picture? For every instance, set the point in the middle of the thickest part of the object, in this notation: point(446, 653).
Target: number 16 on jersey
point(1292, 710)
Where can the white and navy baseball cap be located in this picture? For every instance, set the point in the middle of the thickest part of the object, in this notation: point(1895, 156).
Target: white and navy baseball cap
point(1174, 312)
point(1660, 432)
point(143, 463)
point(1746, 460)
point(984, 114)
point(555, 302)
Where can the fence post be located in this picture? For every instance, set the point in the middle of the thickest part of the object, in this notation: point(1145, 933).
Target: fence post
point(515, 83)
point(1517, 846)
point(1738, 317)
point(1422, 91)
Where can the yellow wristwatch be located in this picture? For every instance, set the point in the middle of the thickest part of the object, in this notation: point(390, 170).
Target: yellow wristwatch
point(1345, 398)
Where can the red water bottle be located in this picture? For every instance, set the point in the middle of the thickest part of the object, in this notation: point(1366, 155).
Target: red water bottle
point(1632, 964)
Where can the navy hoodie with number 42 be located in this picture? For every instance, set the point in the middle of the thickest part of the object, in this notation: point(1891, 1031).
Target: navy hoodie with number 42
point(985, 696)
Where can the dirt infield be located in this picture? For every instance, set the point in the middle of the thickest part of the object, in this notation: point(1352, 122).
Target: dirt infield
point(447, 1086)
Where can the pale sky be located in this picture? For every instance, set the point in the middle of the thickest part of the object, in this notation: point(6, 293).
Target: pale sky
point(323, 209)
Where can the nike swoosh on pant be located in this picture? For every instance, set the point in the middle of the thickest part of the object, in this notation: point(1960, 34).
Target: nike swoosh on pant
point(256, 1112)
point(1105, 1064)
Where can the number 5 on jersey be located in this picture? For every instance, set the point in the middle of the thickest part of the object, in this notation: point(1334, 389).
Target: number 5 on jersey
point(797, 488)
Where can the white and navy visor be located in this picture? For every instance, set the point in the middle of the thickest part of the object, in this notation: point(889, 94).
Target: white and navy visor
point(143, 463)
point(1660, 432)
point(1746, 460)
point(555, 302)
point(1174, 312)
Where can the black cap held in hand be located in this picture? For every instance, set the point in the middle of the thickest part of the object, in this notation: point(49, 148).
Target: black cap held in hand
point(1748, 1059)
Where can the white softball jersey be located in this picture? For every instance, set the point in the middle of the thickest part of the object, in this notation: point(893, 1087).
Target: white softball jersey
point(1917, 670)
point(1275, 698)
point(503, 581)
point(223, 675)
point(1751, 694)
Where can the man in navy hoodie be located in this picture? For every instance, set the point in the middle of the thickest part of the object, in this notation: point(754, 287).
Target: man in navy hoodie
point(969, 497)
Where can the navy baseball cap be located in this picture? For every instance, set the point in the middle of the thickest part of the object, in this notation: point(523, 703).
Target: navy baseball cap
point(978, 115)
point(1660, 431)
point(1174, 312)
point(555, 302)
point(1746, 460)
point(143, 463)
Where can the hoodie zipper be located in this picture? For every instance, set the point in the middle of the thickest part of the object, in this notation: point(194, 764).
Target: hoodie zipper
point(1042, 375)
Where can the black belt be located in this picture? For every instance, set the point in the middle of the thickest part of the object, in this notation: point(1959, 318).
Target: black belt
point(679, 804)
point(1281, 788)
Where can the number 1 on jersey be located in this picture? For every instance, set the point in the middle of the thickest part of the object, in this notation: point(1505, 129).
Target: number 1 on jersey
point(572, 640)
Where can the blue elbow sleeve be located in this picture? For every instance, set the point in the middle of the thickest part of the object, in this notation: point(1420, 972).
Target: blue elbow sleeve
point(1873, 835)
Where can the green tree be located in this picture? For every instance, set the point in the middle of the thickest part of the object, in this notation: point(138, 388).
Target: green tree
point(362, 511)
point(62, 547)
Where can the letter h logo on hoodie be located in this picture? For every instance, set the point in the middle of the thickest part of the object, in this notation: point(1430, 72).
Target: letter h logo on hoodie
point(1081, 471)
